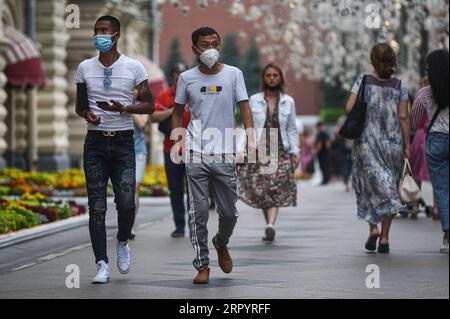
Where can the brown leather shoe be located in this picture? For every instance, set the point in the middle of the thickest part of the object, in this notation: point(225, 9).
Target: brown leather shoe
point(202, 276)
point(225, 260)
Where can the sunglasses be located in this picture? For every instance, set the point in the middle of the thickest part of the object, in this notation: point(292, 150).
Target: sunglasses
point(107, 81)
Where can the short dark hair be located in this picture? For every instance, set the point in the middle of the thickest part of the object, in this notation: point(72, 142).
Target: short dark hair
point(114, 22)
point(203, 32)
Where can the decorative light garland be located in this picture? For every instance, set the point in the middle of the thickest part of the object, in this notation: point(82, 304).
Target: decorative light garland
point(330, 40)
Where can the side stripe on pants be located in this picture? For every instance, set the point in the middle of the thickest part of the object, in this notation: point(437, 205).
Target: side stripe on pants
point(194, 236)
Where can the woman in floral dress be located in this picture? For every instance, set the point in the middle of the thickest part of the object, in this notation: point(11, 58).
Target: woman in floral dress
point(269, 185)
point(379, 153)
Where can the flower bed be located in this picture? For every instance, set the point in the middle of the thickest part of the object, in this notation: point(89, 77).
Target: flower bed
point(30, 210)
point(155, 182)
point(25, 202)
point(15, 182)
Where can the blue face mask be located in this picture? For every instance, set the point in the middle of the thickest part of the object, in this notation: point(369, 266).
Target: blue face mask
point(103, 43)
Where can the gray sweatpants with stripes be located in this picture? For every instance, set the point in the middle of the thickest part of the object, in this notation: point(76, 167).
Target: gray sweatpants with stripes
point(221, 177)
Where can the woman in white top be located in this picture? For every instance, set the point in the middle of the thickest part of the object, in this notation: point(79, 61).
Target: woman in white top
point(270, 183)
point(433, 101)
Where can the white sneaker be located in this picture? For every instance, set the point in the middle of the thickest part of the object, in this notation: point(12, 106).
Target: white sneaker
point(444, 247)
point(123, 257)
point(102, 273)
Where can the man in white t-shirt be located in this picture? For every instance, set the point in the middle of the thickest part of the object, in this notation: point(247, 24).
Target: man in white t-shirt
point(212, 90)
point(105, 87)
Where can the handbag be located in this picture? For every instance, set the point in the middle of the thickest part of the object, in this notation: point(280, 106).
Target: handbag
point(165, 126)
point(408, 189)
point(354, 124)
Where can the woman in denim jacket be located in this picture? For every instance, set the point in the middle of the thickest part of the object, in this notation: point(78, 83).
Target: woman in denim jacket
point(269, 182)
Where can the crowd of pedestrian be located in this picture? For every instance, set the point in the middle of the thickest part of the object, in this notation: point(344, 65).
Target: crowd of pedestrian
point(113, 96)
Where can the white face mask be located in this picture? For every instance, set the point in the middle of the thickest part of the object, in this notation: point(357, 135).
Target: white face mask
point(209, 57)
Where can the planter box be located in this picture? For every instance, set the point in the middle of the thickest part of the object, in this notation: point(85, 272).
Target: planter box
point(42, 230)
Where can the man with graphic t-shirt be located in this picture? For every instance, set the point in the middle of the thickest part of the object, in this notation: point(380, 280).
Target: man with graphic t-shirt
point(212, 91)
point(105, 87)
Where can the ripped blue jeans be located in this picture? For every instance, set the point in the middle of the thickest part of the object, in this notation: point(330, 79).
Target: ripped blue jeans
point(109, 157)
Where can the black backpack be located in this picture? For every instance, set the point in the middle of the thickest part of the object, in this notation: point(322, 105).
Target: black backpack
point(354, 124)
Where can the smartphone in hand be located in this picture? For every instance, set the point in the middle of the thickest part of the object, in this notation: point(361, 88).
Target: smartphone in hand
point(111, 107)
point(102, 103)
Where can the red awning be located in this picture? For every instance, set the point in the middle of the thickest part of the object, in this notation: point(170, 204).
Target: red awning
point(23, 60)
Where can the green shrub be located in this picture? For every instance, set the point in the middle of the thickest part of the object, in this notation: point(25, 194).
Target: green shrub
point(7, 221)
point(11, 221)
point(145, 191)
point(30, 217)
point(66, 212)
point(16, 217)
point(331, 115)
point(4, 191)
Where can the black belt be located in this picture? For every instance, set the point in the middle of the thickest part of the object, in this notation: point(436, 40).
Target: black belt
point(112, 133)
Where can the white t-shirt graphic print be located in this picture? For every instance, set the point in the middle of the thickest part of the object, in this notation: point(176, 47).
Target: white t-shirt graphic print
point(212, 101)
point(126, 74)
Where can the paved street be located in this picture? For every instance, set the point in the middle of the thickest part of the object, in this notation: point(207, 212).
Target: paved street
point(318, 253)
